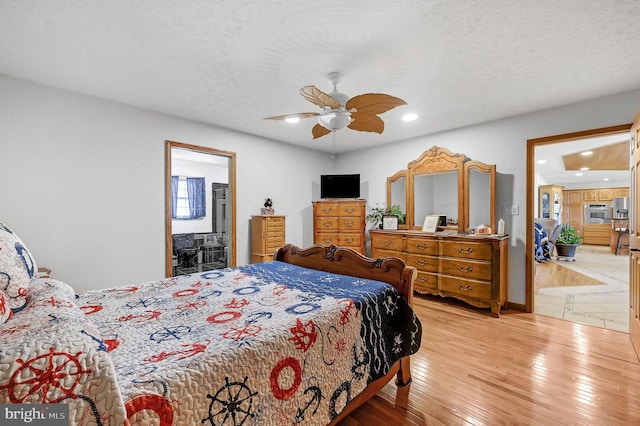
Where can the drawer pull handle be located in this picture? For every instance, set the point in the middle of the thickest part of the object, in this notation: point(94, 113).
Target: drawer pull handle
point(327, 224)
point(351, 210)
point(422, 246)
point(422, 262)
point(465, 250)
point(325, 210)
point(386, 243)
point(350, 224)
point(327, 240)
point(465, 287)
point(465, 268)
point(422, 279)
point(350, 240)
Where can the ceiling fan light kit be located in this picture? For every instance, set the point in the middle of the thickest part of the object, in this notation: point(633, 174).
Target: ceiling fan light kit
point(339, 111)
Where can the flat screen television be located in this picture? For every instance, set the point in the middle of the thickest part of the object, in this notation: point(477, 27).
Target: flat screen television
point(340, 186)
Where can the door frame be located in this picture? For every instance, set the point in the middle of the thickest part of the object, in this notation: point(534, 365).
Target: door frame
point(531, 163)
point(231, 156)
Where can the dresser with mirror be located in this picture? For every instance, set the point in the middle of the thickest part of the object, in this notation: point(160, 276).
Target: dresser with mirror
point(452, 260)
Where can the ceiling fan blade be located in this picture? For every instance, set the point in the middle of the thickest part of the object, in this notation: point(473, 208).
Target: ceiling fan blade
point(319, 131)
point(297, 115)
point(318, 97)
point(373, 103)
point(366, 123)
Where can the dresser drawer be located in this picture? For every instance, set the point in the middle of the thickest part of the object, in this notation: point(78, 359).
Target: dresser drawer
point(386, 242)
point(325, 239)
point(467, 288)
point(426, 281)
point(275, 226)
point(423, 263)
point(350, 239)
point(350, 209)
point(467, 250)
point(349, 224)
point(422, 246)
point(377, 252)
point(467, 268)
point(327, 209)
point(327, 224)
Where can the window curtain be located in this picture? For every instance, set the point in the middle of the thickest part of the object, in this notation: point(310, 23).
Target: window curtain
point(174, 196)
point(197, 197)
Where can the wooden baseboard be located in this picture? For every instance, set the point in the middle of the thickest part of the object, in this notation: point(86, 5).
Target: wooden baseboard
point(517, 306)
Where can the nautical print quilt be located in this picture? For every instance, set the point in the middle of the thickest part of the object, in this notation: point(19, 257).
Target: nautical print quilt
point(268, 343)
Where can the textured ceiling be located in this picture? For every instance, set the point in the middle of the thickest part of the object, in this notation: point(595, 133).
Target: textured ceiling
point(232, 62)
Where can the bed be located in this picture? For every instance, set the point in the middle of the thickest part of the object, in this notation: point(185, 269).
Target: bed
point(303, 339)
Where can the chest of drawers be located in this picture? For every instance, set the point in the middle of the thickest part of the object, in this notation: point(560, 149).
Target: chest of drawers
point(339, 222)
point(469, 268)
point(267, 234)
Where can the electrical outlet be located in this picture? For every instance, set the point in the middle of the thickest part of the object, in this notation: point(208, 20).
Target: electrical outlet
point(515, 210)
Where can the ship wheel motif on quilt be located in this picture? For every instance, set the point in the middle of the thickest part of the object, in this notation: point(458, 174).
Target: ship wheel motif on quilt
point(232, 404)
point(51, 377)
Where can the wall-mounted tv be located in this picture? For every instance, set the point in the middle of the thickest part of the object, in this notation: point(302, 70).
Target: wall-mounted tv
point(340, 186)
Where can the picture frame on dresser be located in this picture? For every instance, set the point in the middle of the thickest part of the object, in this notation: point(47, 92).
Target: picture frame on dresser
point(430, 223)
point(390, 222)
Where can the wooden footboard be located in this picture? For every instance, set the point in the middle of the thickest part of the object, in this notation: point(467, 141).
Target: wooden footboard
point(340, 260)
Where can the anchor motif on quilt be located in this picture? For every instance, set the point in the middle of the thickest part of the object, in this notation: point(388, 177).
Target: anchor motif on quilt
point(193, 349)
point(316, 398)
point(345, 313)
point(147, 315)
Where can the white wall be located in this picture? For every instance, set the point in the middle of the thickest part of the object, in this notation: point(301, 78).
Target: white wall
point(504, 144)
point(211, 174)
point(70, 162)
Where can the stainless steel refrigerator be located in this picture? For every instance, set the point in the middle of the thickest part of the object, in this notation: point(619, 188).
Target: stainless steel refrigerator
point(620, 208)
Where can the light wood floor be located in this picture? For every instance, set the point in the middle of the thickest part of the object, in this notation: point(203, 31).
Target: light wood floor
point(519, 369)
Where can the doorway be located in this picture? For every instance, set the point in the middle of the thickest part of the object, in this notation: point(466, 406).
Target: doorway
point(587, 270)
point(199, 209)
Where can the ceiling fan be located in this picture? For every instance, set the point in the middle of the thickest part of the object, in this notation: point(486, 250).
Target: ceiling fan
point(339, 111)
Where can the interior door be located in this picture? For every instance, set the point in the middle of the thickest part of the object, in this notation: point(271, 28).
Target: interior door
point(634, 238)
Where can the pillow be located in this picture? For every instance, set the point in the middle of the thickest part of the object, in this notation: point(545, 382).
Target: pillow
point(5, 311)
point(17, 267)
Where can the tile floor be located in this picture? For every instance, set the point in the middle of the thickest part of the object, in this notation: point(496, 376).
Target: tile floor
point(605, 305)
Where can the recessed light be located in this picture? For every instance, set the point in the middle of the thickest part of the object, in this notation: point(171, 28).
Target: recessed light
point(292, 120)
point(410, 117)
point(578, 174)
point(606, 179)
point(584, 168)
point(542, 161)
point(585, 153)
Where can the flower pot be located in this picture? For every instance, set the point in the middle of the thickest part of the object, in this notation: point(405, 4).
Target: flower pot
point(566, 250)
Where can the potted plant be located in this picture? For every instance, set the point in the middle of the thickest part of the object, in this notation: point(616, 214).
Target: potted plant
point(375, 216)
point(567, 241)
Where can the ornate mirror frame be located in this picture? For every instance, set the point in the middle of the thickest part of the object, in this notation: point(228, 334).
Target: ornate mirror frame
point(437, 160)
point(472, 204)
point(392, 182)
